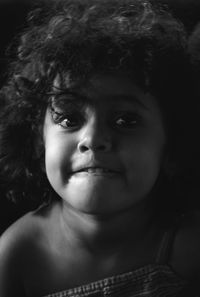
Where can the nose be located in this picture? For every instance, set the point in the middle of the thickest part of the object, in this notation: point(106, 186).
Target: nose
point(95, 137)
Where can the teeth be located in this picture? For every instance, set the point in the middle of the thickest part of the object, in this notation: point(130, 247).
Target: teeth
point(97, 170)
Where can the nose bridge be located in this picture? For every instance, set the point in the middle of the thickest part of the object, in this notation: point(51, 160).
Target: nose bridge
point(96, 135)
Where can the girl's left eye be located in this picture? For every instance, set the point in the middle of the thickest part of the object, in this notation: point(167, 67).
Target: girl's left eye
point(127, 120)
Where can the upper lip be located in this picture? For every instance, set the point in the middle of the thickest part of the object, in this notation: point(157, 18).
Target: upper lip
point(95, 166)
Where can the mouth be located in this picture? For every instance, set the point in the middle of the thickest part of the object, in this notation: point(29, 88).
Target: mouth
point(97, 171)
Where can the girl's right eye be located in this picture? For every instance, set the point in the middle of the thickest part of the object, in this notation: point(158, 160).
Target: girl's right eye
point(71, 120)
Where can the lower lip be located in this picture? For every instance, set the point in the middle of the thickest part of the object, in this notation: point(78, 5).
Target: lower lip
point(97, 174)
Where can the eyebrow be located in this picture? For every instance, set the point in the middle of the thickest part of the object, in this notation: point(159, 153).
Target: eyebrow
point(80, 98)
point(57, 97)
point(127, 98)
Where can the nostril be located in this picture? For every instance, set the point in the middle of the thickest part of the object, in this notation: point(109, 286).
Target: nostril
point(83, 148)
point(100, 144)
point(101, 147)
point(104, 147)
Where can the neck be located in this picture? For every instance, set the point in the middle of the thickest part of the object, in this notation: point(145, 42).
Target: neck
point(106, 232)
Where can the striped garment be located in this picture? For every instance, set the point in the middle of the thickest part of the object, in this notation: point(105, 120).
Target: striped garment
point(150, 281)
point(153, 280)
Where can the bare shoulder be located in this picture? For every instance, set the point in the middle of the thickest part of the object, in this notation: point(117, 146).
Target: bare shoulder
point(20, 242)
point(186, 249)
point(19, 232)
point(12, 247)
point(25, 229)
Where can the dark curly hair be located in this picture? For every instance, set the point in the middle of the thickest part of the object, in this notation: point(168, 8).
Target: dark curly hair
point(82, 37)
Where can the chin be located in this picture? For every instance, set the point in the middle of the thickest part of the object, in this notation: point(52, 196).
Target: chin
point(90, 203)
point(97, 203)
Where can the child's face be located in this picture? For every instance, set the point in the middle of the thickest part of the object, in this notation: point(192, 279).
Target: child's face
point(104, 145)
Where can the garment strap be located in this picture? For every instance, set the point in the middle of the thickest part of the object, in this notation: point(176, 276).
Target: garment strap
point(165, 247)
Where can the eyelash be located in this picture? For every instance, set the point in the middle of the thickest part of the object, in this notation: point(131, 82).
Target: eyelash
point(74, 120)
point(127, 120)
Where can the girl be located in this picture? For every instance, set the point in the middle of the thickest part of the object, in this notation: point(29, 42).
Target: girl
point(98, 125)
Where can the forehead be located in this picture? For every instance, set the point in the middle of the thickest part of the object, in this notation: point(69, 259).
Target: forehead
point(106, 89)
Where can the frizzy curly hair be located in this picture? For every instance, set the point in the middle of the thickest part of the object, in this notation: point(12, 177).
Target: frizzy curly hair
point(79, 38)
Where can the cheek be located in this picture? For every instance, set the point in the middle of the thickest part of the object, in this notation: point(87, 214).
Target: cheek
point(143, 163)
point(59, 148)
point(58, 152)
